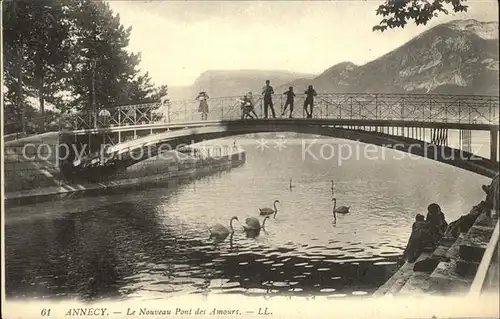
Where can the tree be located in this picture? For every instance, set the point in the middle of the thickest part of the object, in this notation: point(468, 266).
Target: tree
point(397, 13)
point(71, 54)
point(48, 44)
point(36, 52)
point(101, 65)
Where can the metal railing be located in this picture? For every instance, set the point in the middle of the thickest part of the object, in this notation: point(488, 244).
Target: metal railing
point(474, 109)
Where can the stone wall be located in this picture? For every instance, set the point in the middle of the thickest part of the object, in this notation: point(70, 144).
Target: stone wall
point(174, 163)
point(31, 162)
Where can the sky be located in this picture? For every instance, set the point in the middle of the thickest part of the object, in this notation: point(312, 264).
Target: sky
point(179, 40)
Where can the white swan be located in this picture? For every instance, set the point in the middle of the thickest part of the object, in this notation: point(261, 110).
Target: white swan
point(266, 211)
point(341, 210)
point(220, 231)
point(252, 223)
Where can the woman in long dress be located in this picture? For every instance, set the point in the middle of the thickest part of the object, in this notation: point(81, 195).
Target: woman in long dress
point(203, 107)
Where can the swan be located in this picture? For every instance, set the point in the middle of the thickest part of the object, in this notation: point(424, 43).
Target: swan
point(269, 211)
point(220, 231)
point(252, 223)
point(341, 210)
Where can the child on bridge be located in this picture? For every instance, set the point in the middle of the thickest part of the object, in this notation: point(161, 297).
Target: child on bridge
point(289, 101)
point(246, 107)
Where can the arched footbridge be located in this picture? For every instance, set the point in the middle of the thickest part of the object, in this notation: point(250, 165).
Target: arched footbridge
point(438, 127)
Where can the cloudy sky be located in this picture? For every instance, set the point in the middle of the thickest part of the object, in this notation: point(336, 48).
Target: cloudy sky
point(179, 40)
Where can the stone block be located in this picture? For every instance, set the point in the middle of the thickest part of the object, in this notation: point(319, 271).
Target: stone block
point(474, 244)
point(471, 252)
point(417, 284)
point(453, 251)
point(23, 166)
point(484, 220)
point(445, 279)
point(467, 269)
point(440, 251)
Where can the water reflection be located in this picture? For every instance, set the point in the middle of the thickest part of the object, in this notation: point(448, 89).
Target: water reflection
point(154, 242)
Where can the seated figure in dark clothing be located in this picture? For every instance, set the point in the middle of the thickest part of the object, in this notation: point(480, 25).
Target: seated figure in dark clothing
point(420, 238)
point(436, 220)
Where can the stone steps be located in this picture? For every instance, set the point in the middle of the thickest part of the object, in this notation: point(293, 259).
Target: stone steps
point(456, 273)
point(456, 261)
point(399, 279)
point(420, 282)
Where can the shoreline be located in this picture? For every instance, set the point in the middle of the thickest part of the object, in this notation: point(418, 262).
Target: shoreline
point(203, 167)
point(451, 267)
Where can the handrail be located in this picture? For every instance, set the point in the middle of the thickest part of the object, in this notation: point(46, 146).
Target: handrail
point(482, 271)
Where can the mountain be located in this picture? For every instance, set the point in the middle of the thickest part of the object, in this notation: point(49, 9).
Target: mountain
point(459, 57)
point(338, 74)
point(234, 82)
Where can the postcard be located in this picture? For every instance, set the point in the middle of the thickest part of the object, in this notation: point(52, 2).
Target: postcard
point(250, 159)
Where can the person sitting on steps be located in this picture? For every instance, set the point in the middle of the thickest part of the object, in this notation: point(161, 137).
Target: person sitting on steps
point(421, 238)
point(436, 220)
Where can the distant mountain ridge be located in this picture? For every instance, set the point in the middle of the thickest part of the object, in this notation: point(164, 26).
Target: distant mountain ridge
point(219, 83)
point(459, 57)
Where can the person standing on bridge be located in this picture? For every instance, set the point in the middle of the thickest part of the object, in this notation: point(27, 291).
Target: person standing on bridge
point(290, 96)
point(267, 92)
point(246, 108)
point(104, 116)
point(310, 94)
point(203, 107)
point(252, 102)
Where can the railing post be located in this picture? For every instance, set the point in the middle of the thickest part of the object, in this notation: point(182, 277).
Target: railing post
point(351, 108)
point(119, 124)
point(151, 114)
point(222, 110)
point(446, 113)
point(430, 109)
point(169, 105)
point(340, 112)
point(493, 145)
point(281, 103)
point(327, 113)
point(403, 109)
point(423, 114)
point(135, 115)
point(470, 115)
point(491, 107)
point(459, 112)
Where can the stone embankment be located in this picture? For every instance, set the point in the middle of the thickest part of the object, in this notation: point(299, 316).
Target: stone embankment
point(451, 268)
point(32, 173)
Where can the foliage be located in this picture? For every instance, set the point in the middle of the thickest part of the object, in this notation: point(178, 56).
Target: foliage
point(71, 54)
point(397, 13)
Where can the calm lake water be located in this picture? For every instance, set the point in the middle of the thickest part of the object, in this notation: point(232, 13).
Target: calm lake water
point(153, 243)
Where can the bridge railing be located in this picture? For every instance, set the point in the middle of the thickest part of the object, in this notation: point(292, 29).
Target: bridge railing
point(407, 107)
